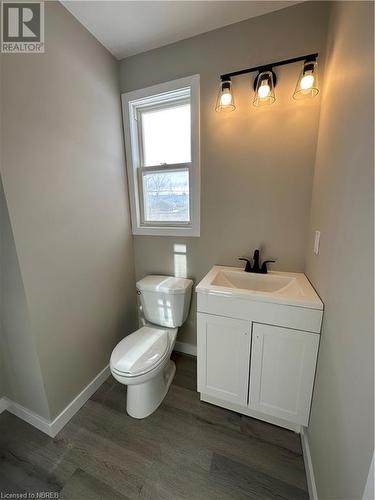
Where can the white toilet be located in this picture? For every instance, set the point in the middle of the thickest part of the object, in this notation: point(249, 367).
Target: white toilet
point(142, 359)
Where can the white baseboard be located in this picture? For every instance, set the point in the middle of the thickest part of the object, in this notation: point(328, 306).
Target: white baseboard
point(4, 404)
point(30, 417)
point(313, 493)
point(186, 348)
point(51, 428)
point(61, 420)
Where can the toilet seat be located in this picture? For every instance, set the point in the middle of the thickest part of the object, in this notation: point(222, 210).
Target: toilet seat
point(141, 351)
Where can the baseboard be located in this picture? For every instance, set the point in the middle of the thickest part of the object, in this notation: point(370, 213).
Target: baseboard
point(30, 417)
point(313, 493)
point(63, 418)
point(51, 428)
point(4, 404)
point(186, 348)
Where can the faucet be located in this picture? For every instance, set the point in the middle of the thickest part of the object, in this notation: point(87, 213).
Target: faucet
point(256, 268)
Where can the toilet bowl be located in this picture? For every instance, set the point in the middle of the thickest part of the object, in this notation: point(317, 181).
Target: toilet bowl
point(141, 360)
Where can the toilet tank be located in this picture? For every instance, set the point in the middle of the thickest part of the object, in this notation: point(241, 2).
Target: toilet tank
point(165, 300)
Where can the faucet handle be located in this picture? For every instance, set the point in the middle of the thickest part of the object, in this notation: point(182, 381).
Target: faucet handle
point(264, 269)
point(248, 264)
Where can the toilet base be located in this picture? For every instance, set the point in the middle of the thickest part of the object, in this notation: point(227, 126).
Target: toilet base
point(144, 399)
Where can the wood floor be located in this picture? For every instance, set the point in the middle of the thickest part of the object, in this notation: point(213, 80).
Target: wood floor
point(185, 450)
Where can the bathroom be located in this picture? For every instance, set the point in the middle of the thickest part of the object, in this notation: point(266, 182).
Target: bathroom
point(292, 178)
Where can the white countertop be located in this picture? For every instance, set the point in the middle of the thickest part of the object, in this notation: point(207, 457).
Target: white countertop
point(275, 287)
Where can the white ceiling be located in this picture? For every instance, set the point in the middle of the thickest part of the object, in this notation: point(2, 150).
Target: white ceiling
point(126, 28)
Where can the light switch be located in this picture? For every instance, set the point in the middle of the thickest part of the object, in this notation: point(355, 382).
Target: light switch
point(316, 242)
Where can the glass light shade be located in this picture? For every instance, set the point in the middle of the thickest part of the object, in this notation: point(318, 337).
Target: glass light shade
point(264, 90)
point(225, 97)
point(307, 84)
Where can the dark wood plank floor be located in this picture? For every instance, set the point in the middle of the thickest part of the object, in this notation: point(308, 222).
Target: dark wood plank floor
point(185, 450)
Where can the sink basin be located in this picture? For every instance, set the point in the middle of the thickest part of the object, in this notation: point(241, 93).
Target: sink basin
point(278, 287)
point(248, 281)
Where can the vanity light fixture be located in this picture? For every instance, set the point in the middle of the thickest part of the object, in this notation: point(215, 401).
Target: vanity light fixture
point(307, 85)
point(265, 81)
point(225, 98)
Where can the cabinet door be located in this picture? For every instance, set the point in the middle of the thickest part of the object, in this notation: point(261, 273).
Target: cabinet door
point(282, 372)
point(223, 357)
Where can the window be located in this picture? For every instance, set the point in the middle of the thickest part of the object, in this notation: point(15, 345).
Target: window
point(161, 126)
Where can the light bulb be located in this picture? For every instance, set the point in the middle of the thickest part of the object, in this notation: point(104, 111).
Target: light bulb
point(226, 98)
point(264, 90)
point(307, 81)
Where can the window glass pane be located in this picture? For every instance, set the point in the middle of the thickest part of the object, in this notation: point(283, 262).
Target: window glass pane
point(166, 196)
point(166, 135)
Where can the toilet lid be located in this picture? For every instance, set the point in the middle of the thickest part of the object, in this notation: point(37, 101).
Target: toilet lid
point(140, 351)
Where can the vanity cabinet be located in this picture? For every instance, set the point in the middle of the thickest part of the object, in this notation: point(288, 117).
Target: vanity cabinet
point(224, 355)
point(282, 372)
point(264, 371)
point(257, 343)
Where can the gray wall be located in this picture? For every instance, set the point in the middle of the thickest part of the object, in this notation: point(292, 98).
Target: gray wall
point(341, 427)
point(3, 375)
point(65, 186)
point(257, 164)
point(4, 385)
point(21, 363)
point(3, 380)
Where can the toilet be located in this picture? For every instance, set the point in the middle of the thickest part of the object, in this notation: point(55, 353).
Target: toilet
point(142, 359)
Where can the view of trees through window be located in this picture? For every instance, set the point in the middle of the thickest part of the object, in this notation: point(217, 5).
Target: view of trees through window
point(166, 196)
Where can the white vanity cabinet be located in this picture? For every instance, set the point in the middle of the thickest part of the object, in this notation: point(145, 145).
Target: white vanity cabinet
point(224, 348)
point(257, 353)
point(282, 372)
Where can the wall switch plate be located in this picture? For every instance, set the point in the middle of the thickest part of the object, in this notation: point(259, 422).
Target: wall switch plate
point(316, 242)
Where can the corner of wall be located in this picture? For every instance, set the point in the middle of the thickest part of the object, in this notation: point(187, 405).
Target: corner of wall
point(342, 415)
point(21, 364)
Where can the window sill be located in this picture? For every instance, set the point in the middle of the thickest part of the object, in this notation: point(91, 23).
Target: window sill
point(166, 231)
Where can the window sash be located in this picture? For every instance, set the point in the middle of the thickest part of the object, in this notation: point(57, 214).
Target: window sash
point(157, 169)
point(162, 98)
point(166, 104)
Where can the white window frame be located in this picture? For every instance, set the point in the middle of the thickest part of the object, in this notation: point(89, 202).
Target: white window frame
point(151, 97)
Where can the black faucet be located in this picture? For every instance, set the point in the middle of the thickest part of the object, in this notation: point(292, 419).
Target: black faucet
point(256, 268)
